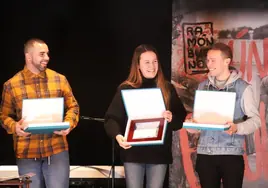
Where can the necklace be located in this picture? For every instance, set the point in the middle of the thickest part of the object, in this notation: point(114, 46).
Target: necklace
point(221, 83)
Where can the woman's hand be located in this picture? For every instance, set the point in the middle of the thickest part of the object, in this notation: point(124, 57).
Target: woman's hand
point(122, 142)
point(167, 115)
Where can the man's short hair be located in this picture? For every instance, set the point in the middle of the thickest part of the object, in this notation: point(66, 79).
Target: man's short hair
point(30, 44)
point(224, 48)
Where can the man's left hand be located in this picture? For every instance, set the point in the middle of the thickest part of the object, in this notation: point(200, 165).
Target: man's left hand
point(62, 132)
point(232, 129)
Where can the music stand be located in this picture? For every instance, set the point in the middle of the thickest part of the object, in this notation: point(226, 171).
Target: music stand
point(113, 147)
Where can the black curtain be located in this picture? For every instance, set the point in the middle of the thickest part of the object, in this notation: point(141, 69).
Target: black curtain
point(91, 43)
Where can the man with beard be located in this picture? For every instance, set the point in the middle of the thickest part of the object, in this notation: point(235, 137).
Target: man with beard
point(45, 155)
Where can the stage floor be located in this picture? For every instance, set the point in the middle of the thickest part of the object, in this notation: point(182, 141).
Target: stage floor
point(75, 172)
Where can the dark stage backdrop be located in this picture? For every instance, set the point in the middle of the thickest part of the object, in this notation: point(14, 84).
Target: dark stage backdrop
point(91, 43)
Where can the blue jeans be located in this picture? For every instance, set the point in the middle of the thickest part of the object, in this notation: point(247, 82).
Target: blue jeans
point(50, 172)
point(155, 175)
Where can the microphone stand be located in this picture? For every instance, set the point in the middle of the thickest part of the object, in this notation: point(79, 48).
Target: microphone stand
point(113, 147)
point(92, 118)
point(113, 163)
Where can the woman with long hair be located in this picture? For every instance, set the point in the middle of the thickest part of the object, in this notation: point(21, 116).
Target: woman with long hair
point(149, 160)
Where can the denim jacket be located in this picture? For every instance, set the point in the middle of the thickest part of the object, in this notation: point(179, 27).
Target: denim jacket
point(219, 142)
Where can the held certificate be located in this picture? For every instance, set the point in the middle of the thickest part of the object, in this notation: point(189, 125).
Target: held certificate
point(212, 110)
point(146, 130)
point(43, 116)
point(144, 107)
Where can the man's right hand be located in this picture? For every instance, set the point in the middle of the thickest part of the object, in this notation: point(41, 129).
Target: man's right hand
point(20, 129)
point(192, 131)
point(121, 141)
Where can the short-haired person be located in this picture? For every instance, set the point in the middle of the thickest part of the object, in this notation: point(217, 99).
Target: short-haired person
point(220, 153)
point(45, 155)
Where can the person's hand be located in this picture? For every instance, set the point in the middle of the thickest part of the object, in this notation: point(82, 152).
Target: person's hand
point(167, 115)
point(122, 142)
point(62, 132)
point(20, 129)
point(232, 129)
point(192, 131)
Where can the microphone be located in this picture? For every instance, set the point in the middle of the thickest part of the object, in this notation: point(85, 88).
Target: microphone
point(92, 118)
